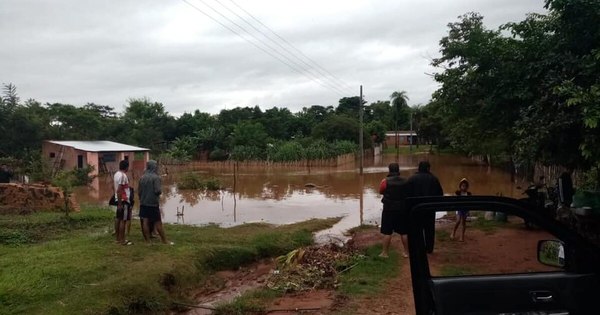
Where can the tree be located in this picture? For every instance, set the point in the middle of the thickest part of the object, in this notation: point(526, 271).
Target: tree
point(337, 127)
point(249, 134)
point(146, 123)
point(382, 111)
point(399, 101)
point(348, 106)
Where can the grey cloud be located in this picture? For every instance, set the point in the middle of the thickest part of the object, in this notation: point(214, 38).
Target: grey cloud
point(109, 51)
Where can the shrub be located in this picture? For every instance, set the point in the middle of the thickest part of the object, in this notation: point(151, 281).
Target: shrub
point(190, 181)
point(81, 176)
point(212, 184)
point(195, 181)
point(217, 155)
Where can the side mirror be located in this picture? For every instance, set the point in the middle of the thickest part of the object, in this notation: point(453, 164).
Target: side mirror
point(551, 253)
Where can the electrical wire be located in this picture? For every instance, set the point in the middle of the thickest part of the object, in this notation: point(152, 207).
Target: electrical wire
point(342, 82)
point(344, 87)
point(340, 91)
point(323, 84)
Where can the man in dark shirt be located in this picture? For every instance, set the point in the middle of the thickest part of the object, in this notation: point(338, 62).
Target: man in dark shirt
point(394, 217)
point(5, 174)
point(423, 183)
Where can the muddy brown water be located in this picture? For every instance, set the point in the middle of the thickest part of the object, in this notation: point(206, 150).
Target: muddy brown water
point(280, 195)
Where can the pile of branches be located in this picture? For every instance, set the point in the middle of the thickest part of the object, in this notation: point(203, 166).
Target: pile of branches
point(314, 267)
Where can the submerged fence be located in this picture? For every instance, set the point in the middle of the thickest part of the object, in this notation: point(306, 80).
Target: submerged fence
point(338, 161)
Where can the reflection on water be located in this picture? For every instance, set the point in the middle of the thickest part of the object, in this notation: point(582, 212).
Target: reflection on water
point(282, 196)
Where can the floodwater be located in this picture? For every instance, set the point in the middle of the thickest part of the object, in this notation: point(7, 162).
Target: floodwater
point(282, 196)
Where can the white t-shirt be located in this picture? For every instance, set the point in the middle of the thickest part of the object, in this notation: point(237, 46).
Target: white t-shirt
point(120, 178)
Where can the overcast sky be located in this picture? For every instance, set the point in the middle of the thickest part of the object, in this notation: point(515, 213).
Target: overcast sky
point(108, 51)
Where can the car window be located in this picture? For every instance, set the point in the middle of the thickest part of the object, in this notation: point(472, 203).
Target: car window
point(493, 244)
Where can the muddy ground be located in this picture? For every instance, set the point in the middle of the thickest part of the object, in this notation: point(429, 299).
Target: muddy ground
point(494, 250)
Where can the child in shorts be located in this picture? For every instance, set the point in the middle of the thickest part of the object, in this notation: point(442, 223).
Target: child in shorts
point(461, 217)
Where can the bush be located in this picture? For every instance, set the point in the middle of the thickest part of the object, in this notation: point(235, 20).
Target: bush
point(81, 176)
point(194, 181)
point(212, 184)
point(190, 181)
point(217, 155)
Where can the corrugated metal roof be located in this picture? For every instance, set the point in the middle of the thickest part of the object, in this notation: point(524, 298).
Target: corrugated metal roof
point(401, 134)
point(99, 146)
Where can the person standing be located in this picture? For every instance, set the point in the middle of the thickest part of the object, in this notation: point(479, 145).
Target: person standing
point(149, 191)
point(461, 216)
point(422, 184)
point(123, 197)
point(394, 217)
point(5, 174)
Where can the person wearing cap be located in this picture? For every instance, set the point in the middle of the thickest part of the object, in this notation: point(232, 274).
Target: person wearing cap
point(461, 216)
point(394, 217)
point(422, 184)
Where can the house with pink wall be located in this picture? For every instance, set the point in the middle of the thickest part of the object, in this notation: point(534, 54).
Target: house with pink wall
point(104, 156)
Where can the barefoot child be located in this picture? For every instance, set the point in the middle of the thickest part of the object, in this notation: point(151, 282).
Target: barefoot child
point(461, 218)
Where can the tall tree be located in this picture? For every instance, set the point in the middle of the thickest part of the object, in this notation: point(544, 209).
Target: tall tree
point(399, 101)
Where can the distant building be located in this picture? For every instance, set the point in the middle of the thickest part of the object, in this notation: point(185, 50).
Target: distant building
point(104, 156)
point(403, 137)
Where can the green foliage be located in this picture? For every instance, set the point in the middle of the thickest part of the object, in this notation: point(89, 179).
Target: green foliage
point(184, 148)
point(254, 302)
point(287, 151)
point(217, 155)
point(81, 176)
point(369, 275)
point(65, 181)
point(377, 129)
point(247, 153)
point(337, 127)
point(528, 89)
point(400, 110)
point(193, 181)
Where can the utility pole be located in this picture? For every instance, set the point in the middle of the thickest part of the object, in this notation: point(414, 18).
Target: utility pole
point(360, 132)
point(411, 131)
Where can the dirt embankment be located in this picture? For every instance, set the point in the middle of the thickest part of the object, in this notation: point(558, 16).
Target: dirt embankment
point(27, 198)
point(509, 249)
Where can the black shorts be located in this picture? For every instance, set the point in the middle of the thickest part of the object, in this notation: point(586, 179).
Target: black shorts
point(394, 221)
point(151, 213)
point(124, 213)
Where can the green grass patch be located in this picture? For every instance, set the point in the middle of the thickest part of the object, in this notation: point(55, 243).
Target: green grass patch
point(456, 270)
point(370, 275)
point(362, 227)
point(487, 226)
point(50, 264)
point(442, 235)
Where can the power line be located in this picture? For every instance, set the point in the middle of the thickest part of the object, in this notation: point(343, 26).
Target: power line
point(340, 91)
point(294, 47)
point(256, 45)
point(341, 86)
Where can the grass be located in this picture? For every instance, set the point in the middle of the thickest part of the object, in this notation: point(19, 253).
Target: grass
point(487, 226)
point(369, 276)
point(53, 265)
point(442, 235)
point(255, 301)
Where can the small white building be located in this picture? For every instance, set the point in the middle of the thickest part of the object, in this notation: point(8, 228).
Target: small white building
point(104, 156)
